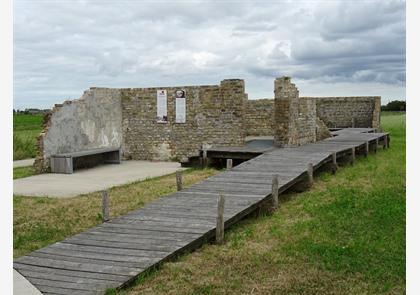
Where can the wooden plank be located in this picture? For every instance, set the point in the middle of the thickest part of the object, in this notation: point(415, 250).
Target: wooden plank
point(96, 288)
point(104, 236)
point(231, 190)
point(179, 213)
point(201, 206)
point(61, 291)
point(143, 234)
point(116, 251)
point(70, 273)
point(134, 265)
point(210, 195)
point(228, 186)
point(159, 220)
point(68, 279)
point(68, 265)
point(120, 244)
point(136, 260)
point(154, 227)
point(176, 219)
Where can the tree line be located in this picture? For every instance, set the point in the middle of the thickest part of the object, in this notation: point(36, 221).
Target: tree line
point(394, 106)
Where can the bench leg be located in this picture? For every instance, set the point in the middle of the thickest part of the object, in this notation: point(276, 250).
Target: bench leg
point(61, 165)
point(113, 157)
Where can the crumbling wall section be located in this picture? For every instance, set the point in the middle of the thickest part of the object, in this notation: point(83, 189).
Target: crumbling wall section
point(93, 121)
point(306, 125)
point(214, 116)
point(294, 117)
point(341, 112)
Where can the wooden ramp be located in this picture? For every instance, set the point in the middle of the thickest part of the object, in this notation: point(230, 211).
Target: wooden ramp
point(116, 252)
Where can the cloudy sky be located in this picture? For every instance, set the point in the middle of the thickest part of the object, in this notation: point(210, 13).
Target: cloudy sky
point(62, 47)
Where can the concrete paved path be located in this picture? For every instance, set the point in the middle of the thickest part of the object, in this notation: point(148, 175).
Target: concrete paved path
point(91, 180)
point(22, 286)
point(23, 163)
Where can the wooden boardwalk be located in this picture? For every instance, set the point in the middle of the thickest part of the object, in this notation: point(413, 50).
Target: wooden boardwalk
point(114, 253)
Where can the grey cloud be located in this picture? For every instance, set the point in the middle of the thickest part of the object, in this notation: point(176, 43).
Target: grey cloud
point(63, 47)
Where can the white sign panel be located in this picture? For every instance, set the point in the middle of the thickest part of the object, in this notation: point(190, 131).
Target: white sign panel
point(180, 106)
point(162, 106)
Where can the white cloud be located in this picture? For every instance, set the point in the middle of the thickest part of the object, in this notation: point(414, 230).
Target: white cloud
point(64, 47)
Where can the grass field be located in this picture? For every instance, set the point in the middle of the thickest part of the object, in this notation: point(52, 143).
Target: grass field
point(26, 128)
point(38, 222)
point(21, 172)
point(344, 236)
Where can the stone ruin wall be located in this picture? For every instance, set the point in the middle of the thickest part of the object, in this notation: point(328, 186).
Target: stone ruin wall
point(306, 121)
point(105, 117)
point(331, 112)
point(294, 117)
point(93, 121)
point(259, 117)
point(338, 112)
point(214, 117)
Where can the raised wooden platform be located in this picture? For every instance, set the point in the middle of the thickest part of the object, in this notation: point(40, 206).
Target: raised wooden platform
point(116, 252)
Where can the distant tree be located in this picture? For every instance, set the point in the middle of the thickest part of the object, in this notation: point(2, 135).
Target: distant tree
point(14, 111)
point(394, 106)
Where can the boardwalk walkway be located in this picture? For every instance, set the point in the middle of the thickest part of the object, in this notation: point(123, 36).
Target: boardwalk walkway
point(114, 253)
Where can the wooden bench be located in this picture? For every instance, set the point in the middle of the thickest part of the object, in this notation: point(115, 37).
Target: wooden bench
point(67, 162)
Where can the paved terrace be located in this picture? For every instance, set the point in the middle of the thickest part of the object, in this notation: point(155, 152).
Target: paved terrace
point(85, 181)
point(116, 252)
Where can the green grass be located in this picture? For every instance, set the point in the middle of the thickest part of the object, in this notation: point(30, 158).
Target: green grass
point(344, 236)
point(38, 222)
point(21, 172)
point(26, 128)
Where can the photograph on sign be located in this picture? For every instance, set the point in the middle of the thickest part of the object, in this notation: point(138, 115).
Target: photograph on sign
point(162, 106)
point(180, 106)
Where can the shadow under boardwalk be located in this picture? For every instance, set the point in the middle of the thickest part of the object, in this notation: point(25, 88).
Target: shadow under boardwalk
point(116, 252)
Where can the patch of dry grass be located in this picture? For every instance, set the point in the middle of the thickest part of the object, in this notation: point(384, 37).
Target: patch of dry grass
point(38, 222)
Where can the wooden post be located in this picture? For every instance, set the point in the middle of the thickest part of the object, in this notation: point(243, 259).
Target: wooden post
point(385, 145)
point(229, 164)
point(310, 173)
point(204, 158)
point(105, 206)
point(353, 155)
point(275, 191)
point(334, 166)
point(353, 122)
point(179, 180)
point(376, 144)
point(366, 148)
point(387, 141)
point(220, 224)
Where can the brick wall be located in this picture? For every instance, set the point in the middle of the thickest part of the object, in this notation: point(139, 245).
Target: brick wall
point(294, 117)
point(339, 111)
point(306, 125)
point(214, 117)
point(259, 117)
